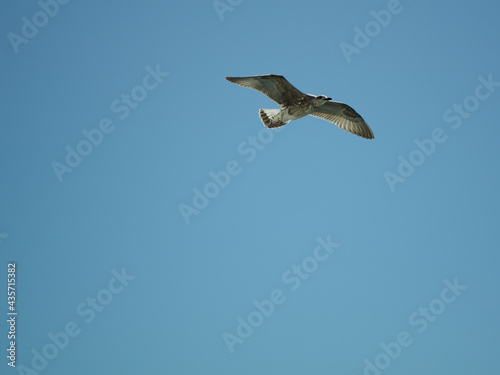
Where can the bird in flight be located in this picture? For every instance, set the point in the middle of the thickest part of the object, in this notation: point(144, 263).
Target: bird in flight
point(295, 104)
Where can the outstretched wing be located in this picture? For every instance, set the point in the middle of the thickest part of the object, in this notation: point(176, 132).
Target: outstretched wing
point(344, 117)
point(275, 87)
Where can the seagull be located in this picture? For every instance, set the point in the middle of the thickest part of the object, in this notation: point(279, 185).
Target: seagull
point(295, 104)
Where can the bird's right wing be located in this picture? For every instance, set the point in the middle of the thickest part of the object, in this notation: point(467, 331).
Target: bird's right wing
point(275, 87)
point(344, 117)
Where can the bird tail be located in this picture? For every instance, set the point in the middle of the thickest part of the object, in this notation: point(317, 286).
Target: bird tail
point(272, 118)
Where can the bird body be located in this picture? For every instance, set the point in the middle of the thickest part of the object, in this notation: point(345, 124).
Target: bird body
point(296, 104)
point(273, 118)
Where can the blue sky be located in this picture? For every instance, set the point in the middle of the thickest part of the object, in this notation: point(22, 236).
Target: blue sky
point(316, 251)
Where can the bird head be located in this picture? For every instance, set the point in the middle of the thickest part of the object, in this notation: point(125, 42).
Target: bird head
point(321, 99)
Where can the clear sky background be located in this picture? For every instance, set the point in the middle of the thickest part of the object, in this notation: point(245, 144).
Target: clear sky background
point(416, 255)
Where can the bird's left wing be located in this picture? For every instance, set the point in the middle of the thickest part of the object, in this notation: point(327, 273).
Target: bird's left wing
point(274, 86)
point(344, 117)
